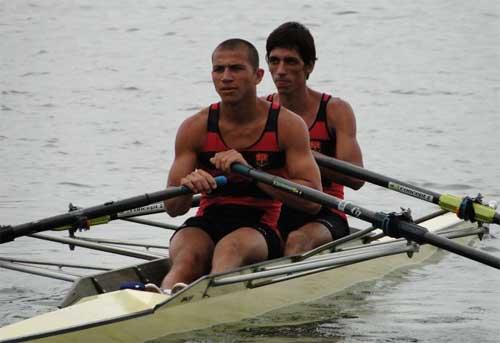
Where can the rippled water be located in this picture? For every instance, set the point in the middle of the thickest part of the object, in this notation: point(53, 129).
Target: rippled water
point(91, 95)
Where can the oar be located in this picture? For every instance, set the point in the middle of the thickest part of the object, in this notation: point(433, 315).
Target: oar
point(129, 215)
point(447, 202)
point(147, 210)
point(393, 225)
point(80, 217)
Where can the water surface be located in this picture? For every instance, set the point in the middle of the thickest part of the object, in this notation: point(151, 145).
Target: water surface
point(91, 95)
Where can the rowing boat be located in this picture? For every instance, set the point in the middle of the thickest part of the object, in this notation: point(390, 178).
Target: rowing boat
point(96, 309)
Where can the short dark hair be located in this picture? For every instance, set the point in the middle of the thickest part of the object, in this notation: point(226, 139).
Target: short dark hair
point(235, 43)
point(293, 35)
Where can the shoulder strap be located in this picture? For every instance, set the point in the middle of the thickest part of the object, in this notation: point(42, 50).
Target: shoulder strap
point(213, 117)
point(272, 121)
point(322, 106)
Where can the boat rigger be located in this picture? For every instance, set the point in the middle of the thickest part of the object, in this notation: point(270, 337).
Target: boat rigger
point(97, 309)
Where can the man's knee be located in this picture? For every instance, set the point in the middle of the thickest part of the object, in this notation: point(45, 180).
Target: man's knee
point(306, 238)
point(192, 258)
point(297, 237)
point(231, 246)
point(191, 248)
point(241, 247)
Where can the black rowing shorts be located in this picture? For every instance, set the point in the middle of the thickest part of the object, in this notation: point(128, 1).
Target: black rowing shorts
point(292, 219)
point(219, 221)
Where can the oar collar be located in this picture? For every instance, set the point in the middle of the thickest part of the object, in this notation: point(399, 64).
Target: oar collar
point(399, 225)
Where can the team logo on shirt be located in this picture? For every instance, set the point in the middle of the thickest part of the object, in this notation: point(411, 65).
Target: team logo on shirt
point(315, 145)
point(261, 159)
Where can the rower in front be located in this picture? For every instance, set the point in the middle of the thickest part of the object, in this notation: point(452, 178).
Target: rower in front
point(235, 225)
point(291, 55)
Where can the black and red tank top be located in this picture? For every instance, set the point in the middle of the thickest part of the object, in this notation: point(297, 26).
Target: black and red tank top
point(324, 141)
point(265, 154)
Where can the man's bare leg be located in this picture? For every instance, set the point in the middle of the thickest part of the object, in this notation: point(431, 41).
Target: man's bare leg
point(241, 247)
point(306, 238)
point(191, 252)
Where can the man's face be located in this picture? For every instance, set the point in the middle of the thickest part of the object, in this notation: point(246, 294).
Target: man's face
point(233, 75)
point(287, 69)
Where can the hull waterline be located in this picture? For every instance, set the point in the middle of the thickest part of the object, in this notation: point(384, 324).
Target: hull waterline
point(134, 316)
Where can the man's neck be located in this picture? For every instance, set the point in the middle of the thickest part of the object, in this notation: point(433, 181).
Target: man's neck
point(241, 112)
point(299, 101)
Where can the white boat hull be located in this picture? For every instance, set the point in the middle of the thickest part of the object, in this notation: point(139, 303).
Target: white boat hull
point(135, 316)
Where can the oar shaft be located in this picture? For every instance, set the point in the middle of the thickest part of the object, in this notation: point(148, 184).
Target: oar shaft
point(447, 202)
point(304, 192)
point(414, 232)
point(377, 179)
point(105, 209)
point(392, 226)
point(129, 215)
point(462, 250)
point(149, 209)
point(9, 233)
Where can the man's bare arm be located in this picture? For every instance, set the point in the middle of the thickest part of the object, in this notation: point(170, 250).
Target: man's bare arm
point(183, 170)
point(341, 117)
point(300, 165)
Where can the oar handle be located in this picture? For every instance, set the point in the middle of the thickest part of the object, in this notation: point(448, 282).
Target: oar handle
point(9, 233)
point(392, 225)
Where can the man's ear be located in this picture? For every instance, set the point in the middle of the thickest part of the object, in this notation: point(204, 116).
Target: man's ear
point(259, 75)
point(308, 68)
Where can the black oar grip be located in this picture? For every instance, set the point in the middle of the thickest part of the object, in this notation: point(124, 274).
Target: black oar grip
point(6, 234)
